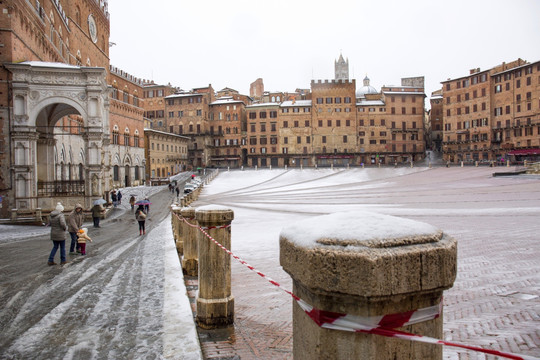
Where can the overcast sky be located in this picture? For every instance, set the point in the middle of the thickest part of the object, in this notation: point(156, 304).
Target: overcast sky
point(288, 43)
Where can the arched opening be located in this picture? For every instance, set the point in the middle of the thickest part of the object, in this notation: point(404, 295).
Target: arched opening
point(127, 180)
point(59, 127)
point(116, 173)
point(58, 111)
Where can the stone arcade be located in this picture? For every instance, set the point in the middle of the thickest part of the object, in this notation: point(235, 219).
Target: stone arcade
point(43, 93)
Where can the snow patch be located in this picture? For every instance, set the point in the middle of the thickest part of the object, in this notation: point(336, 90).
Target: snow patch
point(360, 226)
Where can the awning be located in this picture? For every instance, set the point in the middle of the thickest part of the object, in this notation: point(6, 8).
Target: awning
point(525, 152)
point(335, 157)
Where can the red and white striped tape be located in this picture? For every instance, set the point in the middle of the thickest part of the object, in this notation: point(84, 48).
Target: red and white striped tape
point(384, 325)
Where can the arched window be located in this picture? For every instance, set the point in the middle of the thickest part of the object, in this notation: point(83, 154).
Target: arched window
point(126, 137)
point(78, 15)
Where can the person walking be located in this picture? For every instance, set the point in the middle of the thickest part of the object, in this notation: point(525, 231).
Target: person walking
point(140, 216)
point(132, 202)
point(96, 214)
point(119, 197)
point(114, 198)
point(147, 205)
point(57, 221)
point(82, 238)
point(75, 222)
point(177, 191)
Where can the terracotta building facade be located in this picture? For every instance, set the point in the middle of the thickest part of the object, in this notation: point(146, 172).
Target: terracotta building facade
point(71, 126)
point(493, 115)
point(167, 155)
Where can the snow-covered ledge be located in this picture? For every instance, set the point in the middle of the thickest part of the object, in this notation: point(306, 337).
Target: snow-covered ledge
point(366, 264)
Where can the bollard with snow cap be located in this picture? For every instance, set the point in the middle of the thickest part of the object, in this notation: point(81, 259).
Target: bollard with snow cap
point(190, 260)
point(177, 230)
point(215, 303)
point(366, 265)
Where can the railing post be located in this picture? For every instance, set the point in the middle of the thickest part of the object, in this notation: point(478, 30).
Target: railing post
point(190, 262)
point(215, 304)
point(368, 265)
point(38, 214)
point(177, 230)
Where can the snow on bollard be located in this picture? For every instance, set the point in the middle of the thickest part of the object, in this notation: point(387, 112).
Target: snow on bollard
point(215, 303)
point(366, 265)
point(190, 262)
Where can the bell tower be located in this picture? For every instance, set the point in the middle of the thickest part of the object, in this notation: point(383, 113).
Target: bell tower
point(341, 68)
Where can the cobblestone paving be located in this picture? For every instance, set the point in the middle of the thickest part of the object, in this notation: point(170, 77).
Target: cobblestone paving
point(495, 301)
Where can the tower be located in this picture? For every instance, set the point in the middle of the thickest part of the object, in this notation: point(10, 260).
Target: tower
point(341, 68)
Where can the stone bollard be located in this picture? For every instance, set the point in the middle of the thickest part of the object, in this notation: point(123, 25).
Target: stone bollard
point(14, 214)
point(215, 303)
point(177, 230)
point(190, 262)
point(38, 214)
point(370, 265)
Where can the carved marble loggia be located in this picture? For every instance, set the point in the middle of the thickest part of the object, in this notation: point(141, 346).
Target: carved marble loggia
point(44, 93)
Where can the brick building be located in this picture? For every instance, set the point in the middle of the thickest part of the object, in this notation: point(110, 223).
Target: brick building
point(126, 120)
point(154, 105)
point(256, 88)
point(227, 128)
point(406, 122)
point(261, 145)
point(338, 125)
point(71, 125)
point(493, 115)
point(187, 113)
point(333, 122)
point(167, 154)
point(436, 121)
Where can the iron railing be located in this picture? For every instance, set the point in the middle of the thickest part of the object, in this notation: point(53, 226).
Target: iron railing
point(61, 188)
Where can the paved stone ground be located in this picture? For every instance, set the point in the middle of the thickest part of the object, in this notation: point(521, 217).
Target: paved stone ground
point(495, 301)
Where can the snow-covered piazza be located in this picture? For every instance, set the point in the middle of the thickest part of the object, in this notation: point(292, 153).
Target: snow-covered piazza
point(127, 298)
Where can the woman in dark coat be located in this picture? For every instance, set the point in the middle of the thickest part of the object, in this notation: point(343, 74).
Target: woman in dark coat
point(96, 214)
point(58, 234)
point(140, 216)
